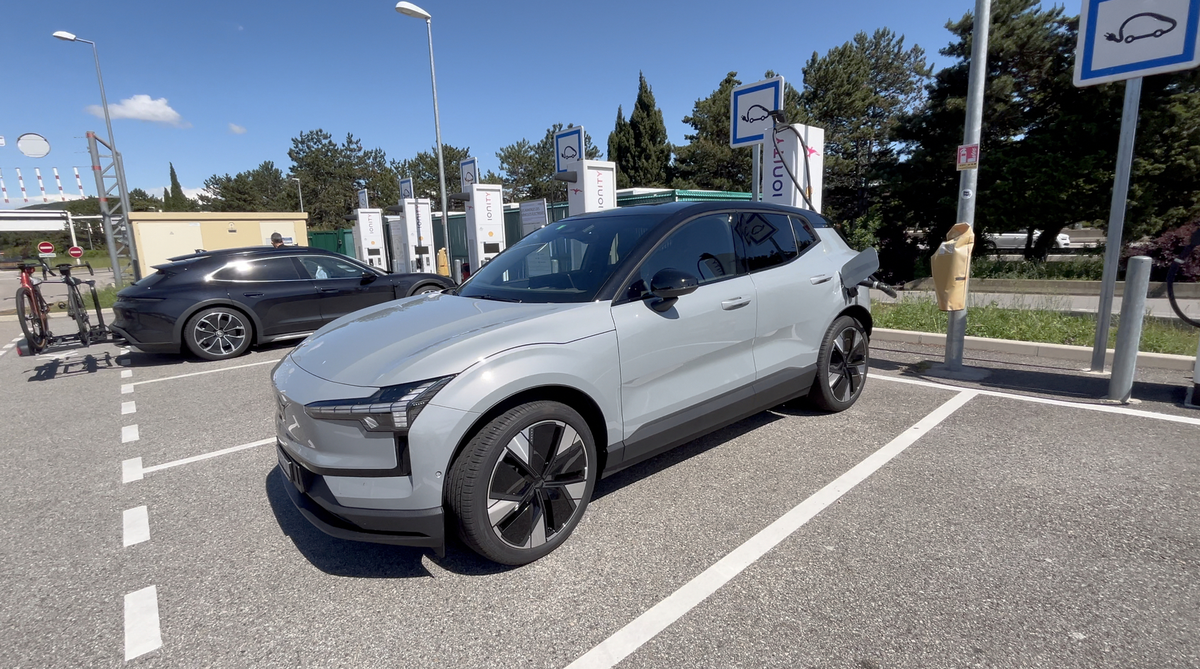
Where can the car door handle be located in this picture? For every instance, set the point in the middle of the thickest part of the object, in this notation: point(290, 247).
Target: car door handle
point(735, 303)
point(252, 294)
point(820, 279)
point(327, 290)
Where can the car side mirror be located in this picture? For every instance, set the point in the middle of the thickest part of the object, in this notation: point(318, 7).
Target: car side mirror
point(368, 277)
point(668, 285)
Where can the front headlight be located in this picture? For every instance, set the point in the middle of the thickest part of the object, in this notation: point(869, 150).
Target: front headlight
point(390, 409)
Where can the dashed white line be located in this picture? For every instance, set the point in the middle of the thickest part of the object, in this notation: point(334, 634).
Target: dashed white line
point(8, 346)
point(207, 371)
point(126, 373)
point(142, 633)
point(129, 433)
point(136, 526)
point(131, 470)
point(17, 339)
point(646, 626)
point(197, 458)
point(126, 388)
point(128, 408)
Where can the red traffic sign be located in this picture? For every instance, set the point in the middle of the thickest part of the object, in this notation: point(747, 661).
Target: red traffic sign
point(45, 247)
point(75, 252)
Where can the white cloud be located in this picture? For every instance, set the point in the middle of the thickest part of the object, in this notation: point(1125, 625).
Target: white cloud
point(237, 129)
point(142, 108)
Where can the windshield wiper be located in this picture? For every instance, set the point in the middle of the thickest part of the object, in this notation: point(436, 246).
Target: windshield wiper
point(495, 298)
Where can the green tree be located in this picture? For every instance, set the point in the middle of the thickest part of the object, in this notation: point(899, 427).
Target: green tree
point(649, 158)
point(263, 188)
point(423, 170)
point(173, 198)
point(331, 175)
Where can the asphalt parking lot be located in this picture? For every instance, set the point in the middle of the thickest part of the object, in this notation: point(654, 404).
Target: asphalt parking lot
point(1013, 522)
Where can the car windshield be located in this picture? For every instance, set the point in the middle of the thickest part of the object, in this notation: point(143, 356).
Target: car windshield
point(566, 261)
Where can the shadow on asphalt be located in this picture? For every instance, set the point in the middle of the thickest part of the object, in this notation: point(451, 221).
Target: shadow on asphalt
point(360, 559)
point(142, 359)
point(70, 364)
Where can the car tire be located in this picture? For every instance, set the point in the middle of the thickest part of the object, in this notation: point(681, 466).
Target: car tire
point(841, 366)
point(523, 482)
point(218, 333)
point(426, 288)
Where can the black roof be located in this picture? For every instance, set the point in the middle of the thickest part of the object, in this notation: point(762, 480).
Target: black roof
point(250, 251)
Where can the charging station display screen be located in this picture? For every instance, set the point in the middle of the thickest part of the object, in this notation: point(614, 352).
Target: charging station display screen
point(491, 247)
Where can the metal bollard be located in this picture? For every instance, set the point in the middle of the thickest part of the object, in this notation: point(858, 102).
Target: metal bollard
point(457, 271)
point(1129, 331)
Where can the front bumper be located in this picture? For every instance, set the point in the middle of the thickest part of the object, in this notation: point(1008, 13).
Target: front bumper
point(400, 527)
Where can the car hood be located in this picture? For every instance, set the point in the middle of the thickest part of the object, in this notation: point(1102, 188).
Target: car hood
point(433, 335)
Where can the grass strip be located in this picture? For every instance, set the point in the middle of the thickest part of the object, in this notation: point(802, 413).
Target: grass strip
point(1038, 323)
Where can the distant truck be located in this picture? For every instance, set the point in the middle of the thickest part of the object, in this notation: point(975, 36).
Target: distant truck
point(1015, 241)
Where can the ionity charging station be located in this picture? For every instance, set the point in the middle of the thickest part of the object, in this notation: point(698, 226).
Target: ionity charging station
point(485, 223)
point(411, 235)
point(591, 184)
point(368, 238)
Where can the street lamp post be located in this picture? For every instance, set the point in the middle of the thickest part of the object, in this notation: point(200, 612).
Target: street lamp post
point(409, 9)
point(300, 193)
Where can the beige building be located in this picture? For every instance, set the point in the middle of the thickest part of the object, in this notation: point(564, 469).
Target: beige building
point(160, 235)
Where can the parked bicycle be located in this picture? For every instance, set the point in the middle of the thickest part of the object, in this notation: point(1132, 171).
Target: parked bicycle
point(33, 311)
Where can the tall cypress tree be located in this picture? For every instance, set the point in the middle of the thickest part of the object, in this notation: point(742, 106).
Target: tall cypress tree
point(650, 157)
point(620, 147)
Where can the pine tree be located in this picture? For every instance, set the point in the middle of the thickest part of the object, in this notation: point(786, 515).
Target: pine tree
point(620, 147)
point(650, 154)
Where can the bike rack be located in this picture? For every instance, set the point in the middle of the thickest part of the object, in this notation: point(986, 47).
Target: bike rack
point(97, 333)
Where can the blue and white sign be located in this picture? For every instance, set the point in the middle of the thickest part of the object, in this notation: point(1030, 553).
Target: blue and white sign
point(568, 147)
point(468, 173)
point(406, 189)
point(1123, 39)
point(749, 120)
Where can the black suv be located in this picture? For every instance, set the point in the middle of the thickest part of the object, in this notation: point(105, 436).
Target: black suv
point(218, 303)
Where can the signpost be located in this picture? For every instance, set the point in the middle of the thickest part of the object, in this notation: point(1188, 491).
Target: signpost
point(968, 157)
point(75, 252)
point(362, 199)
point(1129, 39)
point(750, 120)
point(533, 216)
point(406, 189)
point(468, 173)
point(45, 250)
point(568, 147)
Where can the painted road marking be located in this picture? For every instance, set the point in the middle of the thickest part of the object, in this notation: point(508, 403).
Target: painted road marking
point(646, 626)
point(129, 433)
point(126, 373)
point(137, 525)
point(8, 346)
point(142, 633)
point(197, 458)
point(126, 388)
point(131, 470)
point(128, 408)
point(207, 371)
point(1102, 408)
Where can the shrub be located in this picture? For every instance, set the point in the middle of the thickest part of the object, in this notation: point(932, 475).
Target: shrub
point(1164, 249)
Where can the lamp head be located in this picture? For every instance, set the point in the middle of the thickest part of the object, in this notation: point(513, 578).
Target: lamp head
point(409, 9)
point(65, 36)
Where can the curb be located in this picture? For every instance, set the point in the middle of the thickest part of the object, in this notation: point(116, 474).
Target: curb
point(1082, 354)
point(1157, 289)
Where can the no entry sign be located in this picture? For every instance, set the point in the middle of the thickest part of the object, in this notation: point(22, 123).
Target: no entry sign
point(75, 252)
point(46, 249)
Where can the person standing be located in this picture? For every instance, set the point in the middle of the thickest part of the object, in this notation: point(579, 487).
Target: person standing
point(276, 240)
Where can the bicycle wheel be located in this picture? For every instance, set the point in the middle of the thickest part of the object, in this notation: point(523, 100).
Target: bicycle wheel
point(33, 319)
point(79, 312)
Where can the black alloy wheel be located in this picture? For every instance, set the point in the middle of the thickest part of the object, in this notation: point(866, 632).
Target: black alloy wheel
point(218, 333)
point(841, 366)
point(523, 482)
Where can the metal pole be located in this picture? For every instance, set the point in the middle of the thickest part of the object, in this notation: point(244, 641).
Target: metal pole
point(300, 193)
point(1116, 220)
point(112, 143)
point(105, 214)
point(71, 226)
point(755, 173)
point(1129, 330)
point(437, 128)
point(956, 327)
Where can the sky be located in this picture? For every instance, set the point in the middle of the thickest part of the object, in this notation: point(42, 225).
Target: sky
point(219, 87)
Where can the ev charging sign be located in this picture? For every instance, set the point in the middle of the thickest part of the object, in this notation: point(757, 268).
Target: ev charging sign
point(1123, 39)
point(749, 106)
point(568, 147)
point(406, 189)
point(468, 173)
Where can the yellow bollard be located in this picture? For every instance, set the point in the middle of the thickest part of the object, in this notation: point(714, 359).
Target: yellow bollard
point(443, 263)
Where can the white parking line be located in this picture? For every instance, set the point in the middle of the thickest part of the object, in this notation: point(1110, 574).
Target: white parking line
point(131, 470)
point(126, 373)
point(197, 458)
point(1102, 408)
point(136, 526)
point(8, 346)
point(129, 433)
point(142, 633)
point(126, 388)
point(207, 371)
point(646, 626)
point(128, 408)
point(17, 339)
point(3, 352)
